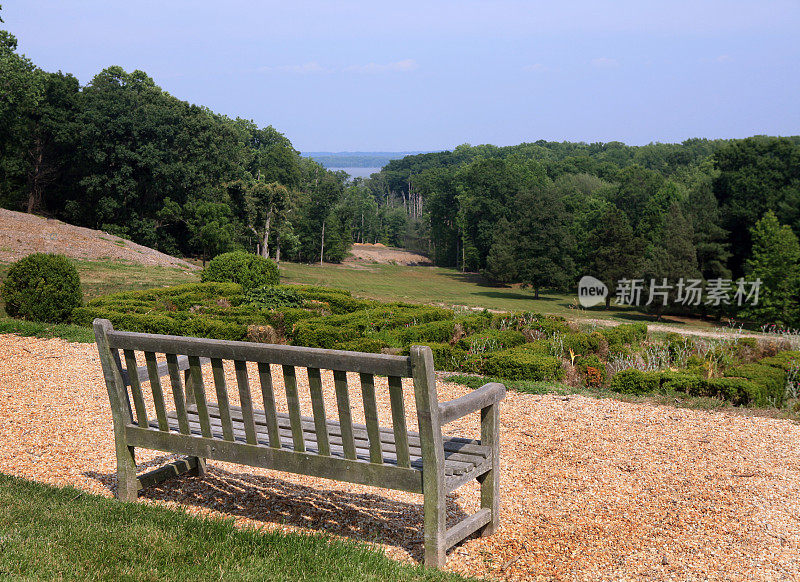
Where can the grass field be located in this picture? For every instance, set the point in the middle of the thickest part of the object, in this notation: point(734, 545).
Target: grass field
point(49, 533)
point(451, 287)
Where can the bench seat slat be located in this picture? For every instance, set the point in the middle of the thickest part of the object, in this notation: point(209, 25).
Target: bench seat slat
point(361, 440)
point(453, 468)
point(456, 462)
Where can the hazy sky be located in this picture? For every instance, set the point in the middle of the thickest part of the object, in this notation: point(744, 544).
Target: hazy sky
point(358, 75)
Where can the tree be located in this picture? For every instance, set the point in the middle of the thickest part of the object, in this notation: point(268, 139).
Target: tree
point(501, 264)
point(710, 239)
point(543, 245)
point(211, 228)
point(775, 260)
point(669, 259)
point(21, 91)
point(756, 174)
point(617, 252)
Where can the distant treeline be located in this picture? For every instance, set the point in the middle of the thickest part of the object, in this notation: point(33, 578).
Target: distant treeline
point(545, 213)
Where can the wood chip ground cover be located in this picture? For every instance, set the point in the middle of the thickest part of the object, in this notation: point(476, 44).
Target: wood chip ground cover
point(591, 489)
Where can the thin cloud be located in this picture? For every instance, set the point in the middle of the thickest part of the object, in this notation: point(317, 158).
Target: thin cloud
point(310, 68)
point(404, 66)
point(536, 67)
point(724, 59)
point(605, 63)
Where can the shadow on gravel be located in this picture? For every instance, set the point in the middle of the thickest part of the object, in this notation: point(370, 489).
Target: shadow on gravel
point(359, 516)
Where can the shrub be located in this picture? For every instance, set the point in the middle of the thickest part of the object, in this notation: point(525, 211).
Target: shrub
point(321, 334)
point(592, 369)
point(492, 340)
point(635, 382)
point(582, 343)
point(627, 333)
point(736, 390)
point(42, 287)
point(690, 384)
point(771, 381)
point(249, 270)
point(518, 364)
point(445, 356)
point(434, 331)
point(364, 344)
point(782, 360)
point(273, 297)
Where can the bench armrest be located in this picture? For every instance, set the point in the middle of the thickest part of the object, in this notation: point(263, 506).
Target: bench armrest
point(486, 395)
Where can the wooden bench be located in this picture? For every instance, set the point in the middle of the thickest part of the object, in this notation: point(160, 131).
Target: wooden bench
point(335, 448)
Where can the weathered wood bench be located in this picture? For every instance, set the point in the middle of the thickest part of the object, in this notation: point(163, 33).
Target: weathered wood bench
point(421, 462)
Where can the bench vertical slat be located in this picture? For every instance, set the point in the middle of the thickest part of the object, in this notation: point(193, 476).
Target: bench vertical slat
point(268, 394)
point(345, 416)
point(246, 401)
point(222, 398)
point(199, 389)
point(126, 397)
point(136, 389)
point(293, 402)
point(399, 421)
point(318, 408)
point(158, 392)
point(371, 417)
point(177, 393)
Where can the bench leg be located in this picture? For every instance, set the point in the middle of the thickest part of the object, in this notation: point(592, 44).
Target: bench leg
point(200, 469)
point(490, 481)
point(435, 516)
point(127, 483)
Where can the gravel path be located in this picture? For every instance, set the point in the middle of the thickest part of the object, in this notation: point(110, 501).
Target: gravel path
point(592, 489)
point(22, 234)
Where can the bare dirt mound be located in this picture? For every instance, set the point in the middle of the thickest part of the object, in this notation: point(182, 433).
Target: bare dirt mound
point(22, 234)
point(379, 253)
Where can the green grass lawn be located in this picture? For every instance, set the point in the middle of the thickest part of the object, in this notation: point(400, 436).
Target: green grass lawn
point(65, 534)
point(451, 287)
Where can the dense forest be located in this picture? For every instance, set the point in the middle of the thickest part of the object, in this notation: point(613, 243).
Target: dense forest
point(122, 155)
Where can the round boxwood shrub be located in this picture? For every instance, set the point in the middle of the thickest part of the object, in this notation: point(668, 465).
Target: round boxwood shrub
point(42, 287)
point(249, 270)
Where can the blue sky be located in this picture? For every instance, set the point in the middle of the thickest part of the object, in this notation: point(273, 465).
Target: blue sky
point(357, 75)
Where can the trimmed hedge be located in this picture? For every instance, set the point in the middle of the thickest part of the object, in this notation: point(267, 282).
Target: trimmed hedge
point(771, 381)
point(635, 382)
point(42, 287)
point(522, 365)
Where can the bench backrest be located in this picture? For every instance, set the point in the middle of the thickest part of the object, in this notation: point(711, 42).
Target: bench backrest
point(169, 356)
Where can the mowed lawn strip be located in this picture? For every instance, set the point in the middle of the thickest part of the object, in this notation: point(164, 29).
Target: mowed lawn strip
point(63, 533)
